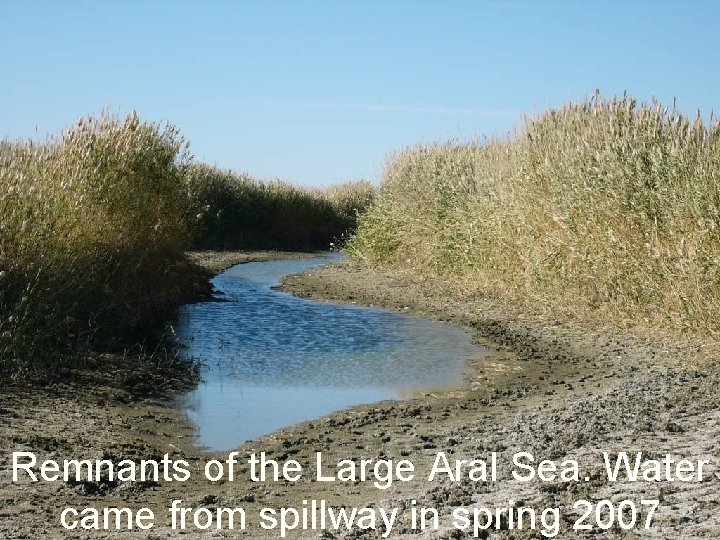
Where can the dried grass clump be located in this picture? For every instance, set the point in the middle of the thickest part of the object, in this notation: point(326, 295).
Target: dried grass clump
point(350, 198)
point(91, 238)
point(605, 206)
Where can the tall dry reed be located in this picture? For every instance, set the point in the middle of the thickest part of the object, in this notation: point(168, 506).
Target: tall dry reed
point(606, 206)
point(91, 238)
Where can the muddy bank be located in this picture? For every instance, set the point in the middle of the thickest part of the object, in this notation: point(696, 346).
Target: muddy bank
point(550, 390)
point(562, 392)
point(219, 261)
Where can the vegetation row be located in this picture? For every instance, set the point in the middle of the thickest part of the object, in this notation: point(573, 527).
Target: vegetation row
point(95, 223)
point(604, 208)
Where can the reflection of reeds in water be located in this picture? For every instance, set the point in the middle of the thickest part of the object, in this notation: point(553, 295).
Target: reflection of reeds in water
point(604, 206)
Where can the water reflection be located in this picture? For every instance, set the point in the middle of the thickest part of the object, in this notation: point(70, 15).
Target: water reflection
point(272, 359)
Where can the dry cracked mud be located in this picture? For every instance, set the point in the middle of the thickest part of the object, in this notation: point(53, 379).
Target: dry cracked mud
point(550, 389)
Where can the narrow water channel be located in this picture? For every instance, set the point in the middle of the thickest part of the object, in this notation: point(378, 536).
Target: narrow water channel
point(271, 360)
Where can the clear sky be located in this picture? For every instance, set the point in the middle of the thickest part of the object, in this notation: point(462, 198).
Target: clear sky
point(318, 92)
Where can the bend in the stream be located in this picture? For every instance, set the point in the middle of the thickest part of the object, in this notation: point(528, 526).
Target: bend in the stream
point(272, 360)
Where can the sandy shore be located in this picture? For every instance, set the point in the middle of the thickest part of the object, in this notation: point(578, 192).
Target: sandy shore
point(549, 389)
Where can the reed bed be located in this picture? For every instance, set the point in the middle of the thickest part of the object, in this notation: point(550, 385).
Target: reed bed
point(233, 211)
point(601, 210)
point(91, 239)
point(94, 225)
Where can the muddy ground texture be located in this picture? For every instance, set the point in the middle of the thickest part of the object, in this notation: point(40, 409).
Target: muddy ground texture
point(549, 389)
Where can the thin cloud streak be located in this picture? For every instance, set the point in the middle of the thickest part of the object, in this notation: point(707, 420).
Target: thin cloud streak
point(396, 108)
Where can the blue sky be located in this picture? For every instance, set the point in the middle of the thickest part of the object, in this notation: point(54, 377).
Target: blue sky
point(318, 92)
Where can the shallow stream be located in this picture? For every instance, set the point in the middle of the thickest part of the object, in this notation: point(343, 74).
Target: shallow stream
point(271, 360)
